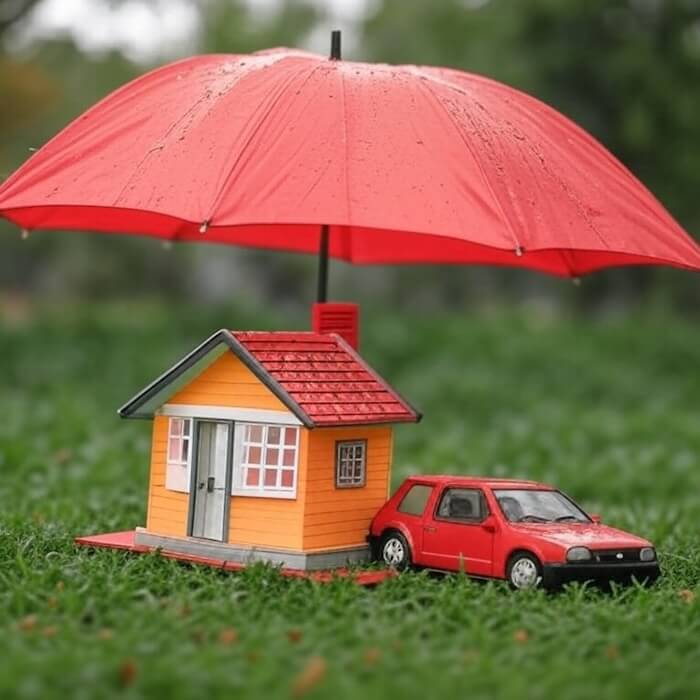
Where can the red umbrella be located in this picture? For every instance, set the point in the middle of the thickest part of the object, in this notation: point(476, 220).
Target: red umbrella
point(369, 163)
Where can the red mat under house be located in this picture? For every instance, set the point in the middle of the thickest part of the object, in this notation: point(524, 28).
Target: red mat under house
point(125, 540)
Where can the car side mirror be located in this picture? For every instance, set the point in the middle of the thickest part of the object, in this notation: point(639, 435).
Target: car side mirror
point(597, 520)
point(489, 523)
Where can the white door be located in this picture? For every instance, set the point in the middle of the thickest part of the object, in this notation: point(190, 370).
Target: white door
point(209, 493)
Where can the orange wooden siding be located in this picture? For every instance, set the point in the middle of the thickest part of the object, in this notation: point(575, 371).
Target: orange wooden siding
point(228, 382)
point(167, 510)
point(336, 517)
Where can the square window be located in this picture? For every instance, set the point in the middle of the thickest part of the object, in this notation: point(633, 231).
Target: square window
point(177, 468)
point(267, 461)
point(462, 504)
point(350, 467)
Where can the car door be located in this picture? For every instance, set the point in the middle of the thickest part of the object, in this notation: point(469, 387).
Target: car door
point(455, 536)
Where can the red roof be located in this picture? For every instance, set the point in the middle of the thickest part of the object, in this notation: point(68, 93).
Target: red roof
point(326, 378)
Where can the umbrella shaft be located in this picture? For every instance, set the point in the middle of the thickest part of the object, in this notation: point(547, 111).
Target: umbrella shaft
point(322, 294)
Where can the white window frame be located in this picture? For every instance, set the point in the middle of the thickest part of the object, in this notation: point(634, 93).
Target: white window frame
point(177, 469)
point(239, 487)
point(342, 462)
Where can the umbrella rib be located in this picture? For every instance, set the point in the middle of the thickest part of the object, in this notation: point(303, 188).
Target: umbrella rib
point(256, 130)
point(465, 141)
point(555, 176)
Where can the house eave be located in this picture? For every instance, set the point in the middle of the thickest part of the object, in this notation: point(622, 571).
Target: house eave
point(223, 336)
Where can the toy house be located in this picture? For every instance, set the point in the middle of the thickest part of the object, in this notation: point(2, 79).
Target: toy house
point(272, 446)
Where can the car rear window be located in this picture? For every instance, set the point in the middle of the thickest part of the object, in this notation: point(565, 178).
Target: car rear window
point(415, 500)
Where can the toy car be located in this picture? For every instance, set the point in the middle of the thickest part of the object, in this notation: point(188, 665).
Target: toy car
point(527, 533)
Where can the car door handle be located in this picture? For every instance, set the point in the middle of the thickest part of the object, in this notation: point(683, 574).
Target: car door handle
point(429, 528)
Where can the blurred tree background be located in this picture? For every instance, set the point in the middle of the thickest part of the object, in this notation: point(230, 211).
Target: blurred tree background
point(626, 70)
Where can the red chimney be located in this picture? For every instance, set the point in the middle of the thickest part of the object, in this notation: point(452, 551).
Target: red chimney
point(340, 318)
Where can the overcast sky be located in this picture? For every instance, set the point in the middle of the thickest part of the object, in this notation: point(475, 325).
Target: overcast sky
point(141, 28)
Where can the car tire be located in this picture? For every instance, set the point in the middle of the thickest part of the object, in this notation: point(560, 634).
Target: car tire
point(394, 550)
point(524, 571)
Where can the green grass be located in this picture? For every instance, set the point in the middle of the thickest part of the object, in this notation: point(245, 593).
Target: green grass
point(607, 409)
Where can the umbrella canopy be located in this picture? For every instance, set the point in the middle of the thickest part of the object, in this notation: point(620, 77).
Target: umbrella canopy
point(380, 164)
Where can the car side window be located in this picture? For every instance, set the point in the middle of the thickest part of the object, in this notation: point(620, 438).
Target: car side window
point(415, 500)
point(462, 504)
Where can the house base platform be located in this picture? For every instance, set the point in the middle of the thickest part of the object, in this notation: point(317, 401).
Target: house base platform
point(136, 541)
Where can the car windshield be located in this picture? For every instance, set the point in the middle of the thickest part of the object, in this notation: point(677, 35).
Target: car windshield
point(538, 506)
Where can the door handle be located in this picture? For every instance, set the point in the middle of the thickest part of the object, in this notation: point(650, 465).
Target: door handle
point(210, 484)
point(200, 485)
point(429, 528)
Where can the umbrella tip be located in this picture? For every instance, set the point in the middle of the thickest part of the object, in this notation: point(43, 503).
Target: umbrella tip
point(205, 225)
point(24, 234)
point(519, 251)
point(335, 45)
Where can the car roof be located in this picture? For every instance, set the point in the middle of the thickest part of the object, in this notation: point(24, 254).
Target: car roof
point(478, 481)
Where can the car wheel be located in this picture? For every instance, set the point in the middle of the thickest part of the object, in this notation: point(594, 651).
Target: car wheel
point(394, 550)
point(524, 571)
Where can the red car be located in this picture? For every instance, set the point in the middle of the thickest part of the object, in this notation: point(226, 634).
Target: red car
point(522, 531)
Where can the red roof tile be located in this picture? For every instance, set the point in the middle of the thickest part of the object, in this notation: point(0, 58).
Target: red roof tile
point(326, 378)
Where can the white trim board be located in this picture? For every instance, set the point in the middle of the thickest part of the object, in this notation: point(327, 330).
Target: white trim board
point(247, 415)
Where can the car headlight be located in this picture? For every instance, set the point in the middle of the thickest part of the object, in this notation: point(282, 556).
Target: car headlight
point(579, 554)
point(647, 554)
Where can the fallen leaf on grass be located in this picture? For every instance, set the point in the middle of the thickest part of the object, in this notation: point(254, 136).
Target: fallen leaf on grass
point(612, 652)
point(311, 675)
point(372, 656)
point(127, 673)
point(686, 595)
point(294, 635)
point(63, 455)
point(105, 634)
point(28, 623)
point(228, 636)
point(49, 631)
point(521, 636)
